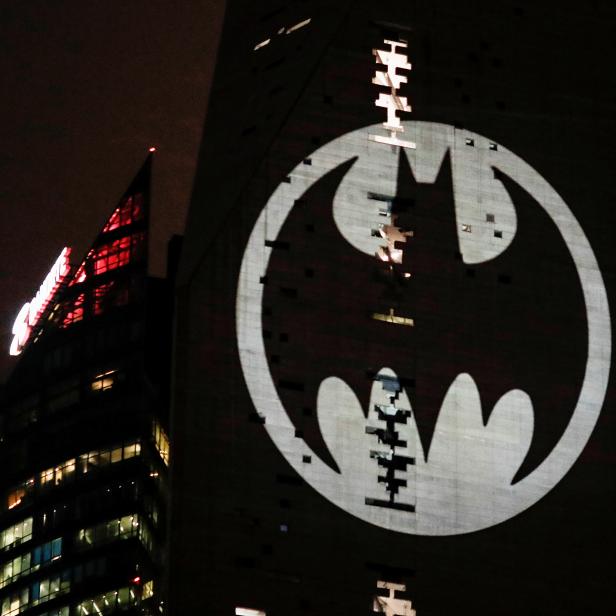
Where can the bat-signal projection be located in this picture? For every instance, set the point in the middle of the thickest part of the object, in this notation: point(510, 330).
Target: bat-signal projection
point(480, 385)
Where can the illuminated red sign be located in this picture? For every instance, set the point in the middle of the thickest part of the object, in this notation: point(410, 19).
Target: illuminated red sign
point(31, 311)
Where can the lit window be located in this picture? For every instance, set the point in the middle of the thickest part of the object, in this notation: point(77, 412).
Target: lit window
point(15, 497)
point(122, 598)
point(148, 590)
point(161, 441)
point(15, 603)
point(14, 569)
point(58, 474)
point(104, 381)
point(46, 476)
point(129, 211)
point(80, 275)
point(132, 450)
point(393, 318)
point(73, 311)
point(116, 254)
point(18, 533)
point(467, 228)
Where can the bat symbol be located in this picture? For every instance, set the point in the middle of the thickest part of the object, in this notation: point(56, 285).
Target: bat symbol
point(517, 321)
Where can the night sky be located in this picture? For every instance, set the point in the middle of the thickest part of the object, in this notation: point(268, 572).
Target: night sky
point(87, 88)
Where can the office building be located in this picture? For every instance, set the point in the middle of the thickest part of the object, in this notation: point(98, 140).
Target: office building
point(84, 419)
point(393, 336)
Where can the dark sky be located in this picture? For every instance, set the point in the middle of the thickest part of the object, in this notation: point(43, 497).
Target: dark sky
point(86, 88)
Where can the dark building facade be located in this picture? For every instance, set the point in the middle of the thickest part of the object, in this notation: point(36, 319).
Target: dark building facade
point(393, 335)
point(84, 421)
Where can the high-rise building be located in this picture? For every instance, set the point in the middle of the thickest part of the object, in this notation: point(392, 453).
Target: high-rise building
point(83, 445)
point(393, 344)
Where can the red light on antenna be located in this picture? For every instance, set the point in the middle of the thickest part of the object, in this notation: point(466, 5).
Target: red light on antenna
point(136, 580)
point(152, 149)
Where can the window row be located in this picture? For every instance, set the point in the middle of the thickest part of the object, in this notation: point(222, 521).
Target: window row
point(39, 592)
point(43, 590)
point(119, 528)
point(61, 473)
point(124, 496)
point(24, 564)
point(105, 603)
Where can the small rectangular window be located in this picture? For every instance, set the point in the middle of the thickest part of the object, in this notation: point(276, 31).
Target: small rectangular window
point(467, 228)
point(104, 381)
point(469, 141)
point(490, 218)
point(498, 233)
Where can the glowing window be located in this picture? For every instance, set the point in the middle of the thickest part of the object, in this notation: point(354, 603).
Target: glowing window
point(148, 590)
point(15, 603)
point(74, 311)
point(46, 476)
point(16, 534)
point(15, 497)
point(122, 598)
point(161, 441)
point(126, 527)
point(393, 318)
point(117, 253)
point(80, 275)
point(129, 211)
point(104, 381)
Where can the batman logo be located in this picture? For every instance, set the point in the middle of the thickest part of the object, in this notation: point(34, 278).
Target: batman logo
point(425, 332)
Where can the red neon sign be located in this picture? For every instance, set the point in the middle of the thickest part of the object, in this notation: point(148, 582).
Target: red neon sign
point(31, 311)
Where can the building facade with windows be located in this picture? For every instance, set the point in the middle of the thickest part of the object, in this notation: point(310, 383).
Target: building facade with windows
point(393, 348)
point(84, 446)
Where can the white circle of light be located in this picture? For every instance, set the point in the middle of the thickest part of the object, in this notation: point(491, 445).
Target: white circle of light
point(465, 485)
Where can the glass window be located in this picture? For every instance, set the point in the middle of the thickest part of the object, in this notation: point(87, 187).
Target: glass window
point(43, 588)
point(104, 381)
point(15, 497)
point(56, 548)
point(161, 441)
point(18, 533)
point(47, 475)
